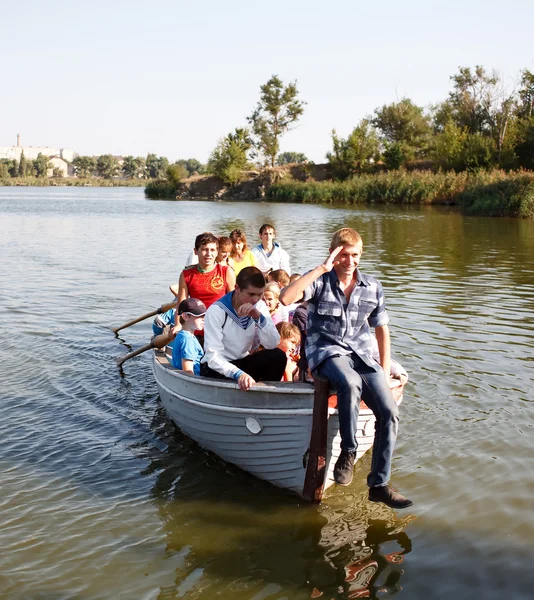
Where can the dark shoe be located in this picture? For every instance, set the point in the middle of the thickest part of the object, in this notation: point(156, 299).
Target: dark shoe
point(388, 496)
point(344, 467)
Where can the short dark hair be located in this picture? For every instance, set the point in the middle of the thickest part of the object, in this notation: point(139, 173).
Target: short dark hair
point(266, 226)
point(250, 277)
point(225, 242)
point(206, 238)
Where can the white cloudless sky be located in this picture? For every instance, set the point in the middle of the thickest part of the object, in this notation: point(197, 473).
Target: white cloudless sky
point(172, 77)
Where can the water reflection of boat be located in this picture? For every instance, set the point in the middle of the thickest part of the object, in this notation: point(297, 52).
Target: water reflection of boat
point(266, 431)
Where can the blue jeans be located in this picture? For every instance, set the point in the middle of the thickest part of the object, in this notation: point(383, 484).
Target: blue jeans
point(353, 379)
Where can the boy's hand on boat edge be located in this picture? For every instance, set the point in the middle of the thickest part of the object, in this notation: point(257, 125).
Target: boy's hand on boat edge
point(245, 382)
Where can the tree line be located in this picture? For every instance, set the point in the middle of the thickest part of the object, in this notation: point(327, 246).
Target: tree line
point(480, 125)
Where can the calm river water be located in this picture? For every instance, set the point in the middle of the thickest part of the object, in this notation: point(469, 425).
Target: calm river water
point(101, 497)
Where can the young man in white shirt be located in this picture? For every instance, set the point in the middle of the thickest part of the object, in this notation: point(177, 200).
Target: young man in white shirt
point(269, 255)
point(230, 328)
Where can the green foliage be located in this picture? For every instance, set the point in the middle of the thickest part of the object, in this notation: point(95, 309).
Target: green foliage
point(356, 154)
point(472, 99)
point(278, 109)
point(84, 166)
point(4, 170)
point(156, 167)
point(394, 157)
point(287, 158)
point(133, 168)
point(57, 173)
point(22, 165)
point(230, 157)
point(525, 147)
point(448, 147)
point(160, 189)
point(176, 172)
point(490, 193)
point(192, 166)
point(526, 95)
point(40, 165)
point(405, 125)
point(478, 152)
point(107, 166)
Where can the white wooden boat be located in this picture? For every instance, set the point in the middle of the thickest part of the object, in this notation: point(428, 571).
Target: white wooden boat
point(266, 431)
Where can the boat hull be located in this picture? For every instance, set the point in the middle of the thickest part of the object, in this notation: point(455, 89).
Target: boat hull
point(265, 431)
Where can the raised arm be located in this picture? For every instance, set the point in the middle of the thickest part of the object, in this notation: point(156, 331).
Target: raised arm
point(294, 291)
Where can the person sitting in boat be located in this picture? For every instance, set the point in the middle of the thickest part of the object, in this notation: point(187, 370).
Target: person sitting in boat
point(343, 304)
point(280, 277)
point(290, 344)
point(225, 250)
point(271, 297)
point(207, 281)
point(229, 332)
point(187, 351)
point(269, 255)
point(241, 255)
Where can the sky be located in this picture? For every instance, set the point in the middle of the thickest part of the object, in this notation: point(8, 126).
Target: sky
point(172, 77)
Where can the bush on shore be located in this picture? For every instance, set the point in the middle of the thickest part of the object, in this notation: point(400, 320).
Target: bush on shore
point(160, 189)
point(484, 192)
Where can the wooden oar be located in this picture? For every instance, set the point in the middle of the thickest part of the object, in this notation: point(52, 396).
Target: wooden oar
point(163, 308)
point(159, 341)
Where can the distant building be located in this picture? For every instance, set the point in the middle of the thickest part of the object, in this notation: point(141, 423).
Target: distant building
point(31, 152)
point(56, 162)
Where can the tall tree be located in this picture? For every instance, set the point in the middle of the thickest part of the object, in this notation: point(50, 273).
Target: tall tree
point(278, 109)
point(156, 167)
point(107, 166)
point(133, 168)
point(405, 127)
point(286, 158)
point(22, 165)
point(357, 153)
point(192, 165)
point(84, 166)
point(230, 157)
point(40, 165)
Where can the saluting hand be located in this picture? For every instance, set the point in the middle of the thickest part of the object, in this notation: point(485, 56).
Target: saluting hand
point(331, 261)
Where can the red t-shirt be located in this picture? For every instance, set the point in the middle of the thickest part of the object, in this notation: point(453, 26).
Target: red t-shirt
point(207, 287)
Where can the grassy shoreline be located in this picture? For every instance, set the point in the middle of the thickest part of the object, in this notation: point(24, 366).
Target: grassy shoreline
point(70, 182)
point(489, 193)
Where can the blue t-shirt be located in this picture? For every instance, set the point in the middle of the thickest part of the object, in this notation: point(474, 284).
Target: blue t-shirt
point(186, 346)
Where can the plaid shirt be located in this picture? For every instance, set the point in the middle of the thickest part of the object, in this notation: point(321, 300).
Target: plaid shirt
point(337, 327)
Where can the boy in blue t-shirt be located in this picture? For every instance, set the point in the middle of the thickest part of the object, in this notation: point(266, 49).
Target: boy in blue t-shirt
point(186, 350)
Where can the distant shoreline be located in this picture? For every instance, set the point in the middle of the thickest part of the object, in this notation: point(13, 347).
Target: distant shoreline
point(71, 182)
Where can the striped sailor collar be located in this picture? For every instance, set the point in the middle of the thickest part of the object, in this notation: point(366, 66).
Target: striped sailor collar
point(226, 301)
point(361, 278)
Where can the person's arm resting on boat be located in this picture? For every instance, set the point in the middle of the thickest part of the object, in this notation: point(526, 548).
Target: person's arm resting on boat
point(379, 320)
point(294, 291)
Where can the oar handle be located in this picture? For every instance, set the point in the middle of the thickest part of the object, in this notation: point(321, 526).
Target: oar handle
point(160, 341)
point(163, 308)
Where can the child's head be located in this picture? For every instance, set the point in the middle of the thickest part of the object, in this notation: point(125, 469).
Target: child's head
point(225, 248)
point(294, 277)
point(239, 242)
point(191, 312)
point(271, 296)
point(289, 337)
point(280, 277)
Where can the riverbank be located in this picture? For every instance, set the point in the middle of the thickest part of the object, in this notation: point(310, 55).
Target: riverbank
point(70, 182)
point(489, 193)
